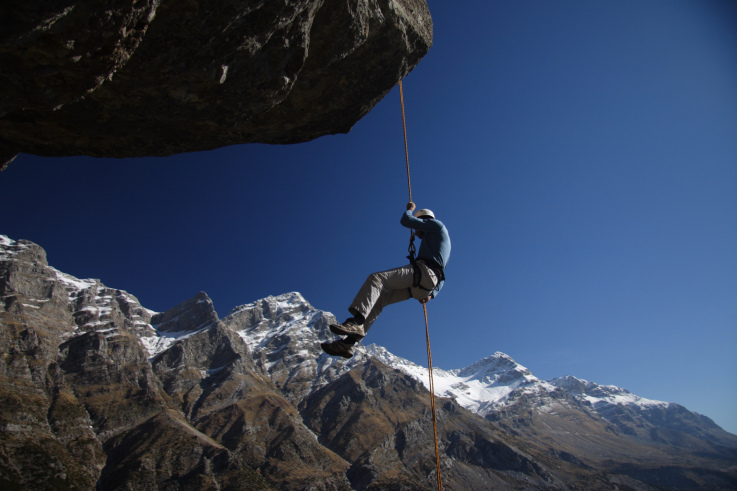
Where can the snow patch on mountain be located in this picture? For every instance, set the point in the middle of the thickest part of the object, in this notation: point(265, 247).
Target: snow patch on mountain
point(73, 285)
point(162, 341)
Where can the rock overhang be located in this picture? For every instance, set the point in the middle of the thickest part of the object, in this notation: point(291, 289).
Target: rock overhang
point(125, 78)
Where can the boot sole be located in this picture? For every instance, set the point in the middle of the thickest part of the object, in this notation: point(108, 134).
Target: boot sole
point(338, 329)
point(329, 350)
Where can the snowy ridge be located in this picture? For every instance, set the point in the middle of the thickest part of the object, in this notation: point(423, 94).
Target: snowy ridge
point(99, 307)
point(278, 303)
point(98, 303)
point(480, 387)
point(73, 285)
point(496, 381)
point(602, 395)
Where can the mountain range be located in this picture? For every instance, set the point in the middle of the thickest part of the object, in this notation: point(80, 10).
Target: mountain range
point(99, 392)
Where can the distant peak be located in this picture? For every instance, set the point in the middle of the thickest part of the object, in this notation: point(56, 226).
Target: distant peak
point(498, 361)
point(190, 315)
point(23, 250)
point(290, 299)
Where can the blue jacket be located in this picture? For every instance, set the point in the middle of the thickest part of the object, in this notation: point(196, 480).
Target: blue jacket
point(435, 243)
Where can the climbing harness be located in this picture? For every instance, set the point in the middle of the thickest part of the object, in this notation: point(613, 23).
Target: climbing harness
point(431, 267)
point(411, 258)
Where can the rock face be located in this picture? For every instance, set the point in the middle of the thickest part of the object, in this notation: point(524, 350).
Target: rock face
point(85, 405)
point(125, 78)
point(97, 392)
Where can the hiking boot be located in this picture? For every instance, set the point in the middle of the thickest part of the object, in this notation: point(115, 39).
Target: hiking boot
point(349, 328)
point(338, 348)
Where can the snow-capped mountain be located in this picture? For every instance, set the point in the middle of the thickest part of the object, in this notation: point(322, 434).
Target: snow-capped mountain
point(284, 332)
point(479, 387)
point(94, 383)
point(488, 384)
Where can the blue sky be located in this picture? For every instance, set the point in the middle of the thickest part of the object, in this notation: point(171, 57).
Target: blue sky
point(583, 155)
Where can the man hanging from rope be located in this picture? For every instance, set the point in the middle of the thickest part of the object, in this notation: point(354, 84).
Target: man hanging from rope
point(422, 280)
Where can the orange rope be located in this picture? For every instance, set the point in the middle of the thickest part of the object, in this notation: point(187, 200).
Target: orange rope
point(424, 307)
point(404, 127)
point(432, 401)
point(406, 156)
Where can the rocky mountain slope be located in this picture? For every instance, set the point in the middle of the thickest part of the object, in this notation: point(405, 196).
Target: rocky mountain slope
point(129, 78)
point(98, 392)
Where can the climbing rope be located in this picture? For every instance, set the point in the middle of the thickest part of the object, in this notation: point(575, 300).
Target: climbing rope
point(432, 401)
point(404, 127)
point(411, 248)
point(424, 305)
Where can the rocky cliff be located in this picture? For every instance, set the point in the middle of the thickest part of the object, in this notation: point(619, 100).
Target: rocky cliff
point(125, 78)
point(98, 392)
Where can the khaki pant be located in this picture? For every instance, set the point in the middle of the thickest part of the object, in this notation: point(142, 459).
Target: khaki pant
point(388, 287)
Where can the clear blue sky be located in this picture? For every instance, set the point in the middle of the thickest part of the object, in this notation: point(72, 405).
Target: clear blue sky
point(583, 155)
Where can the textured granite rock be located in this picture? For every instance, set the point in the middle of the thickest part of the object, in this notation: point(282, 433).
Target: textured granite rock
point(125, 78)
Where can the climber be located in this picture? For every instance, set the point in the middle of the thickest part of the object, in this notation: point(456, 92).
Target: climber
point(422, 280)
